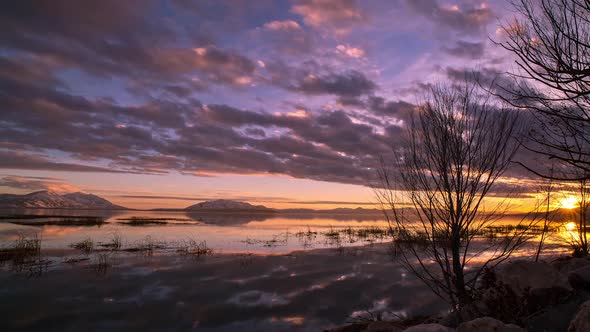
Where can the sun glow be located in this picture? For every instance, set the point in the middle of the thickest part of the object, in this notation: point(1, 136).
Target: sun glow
point(570, 202)
point(570, 226)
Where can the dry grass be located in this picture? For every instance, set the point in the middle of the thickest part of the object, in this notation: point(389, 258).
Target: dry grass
point(63, 221)
point(86, 245)
point(141, 221)
point(22, 250)
point(147, 246)
point(194, 249)
point(24, 256)
point(115, 243)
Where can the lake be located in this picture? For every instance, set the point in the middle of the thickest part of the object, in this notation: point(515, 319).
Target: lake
point(269, 234)
point(267, 273)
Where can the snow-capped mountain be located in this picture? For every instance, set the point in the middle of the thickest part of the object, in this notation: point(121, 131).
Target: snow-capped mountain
point(90, 201)
point(52, 200)
point(226, 204)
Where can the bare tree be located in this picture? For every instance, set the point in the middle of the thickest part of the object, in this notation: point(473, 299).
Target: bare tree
point(551, 41)
point(579, 239)
point(458, 145)
point(548, 215)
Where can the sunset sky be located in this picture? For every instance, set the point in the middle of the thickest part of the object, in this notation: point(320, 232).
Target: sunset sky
point(281, 103)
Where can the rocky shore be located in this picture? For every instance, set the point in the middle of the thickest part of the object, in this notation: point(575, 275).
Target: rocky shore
point(521, 295)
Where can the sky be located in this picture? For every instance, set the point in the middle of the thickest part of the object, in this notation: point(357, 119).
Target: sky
point(154, 103)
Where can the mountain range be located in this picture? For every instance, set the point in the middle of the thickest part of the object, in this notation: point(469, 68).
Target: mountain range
point(52, 200)
point(79, 200)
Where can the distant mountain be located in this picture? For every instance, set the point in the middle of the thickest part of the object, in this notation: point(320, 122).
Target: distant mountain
point(226, 205)
point(358, 210)
point(52, 200)
point(91, 201)
point(220, 205)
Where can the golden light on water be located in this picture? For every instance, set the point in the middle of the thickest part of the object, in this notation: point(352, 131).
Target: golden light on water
point(570, 226)
point(570, 202)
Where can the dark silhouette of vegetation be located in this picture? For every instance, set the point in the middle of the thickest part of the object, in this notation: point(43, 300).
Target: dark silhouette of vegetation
point(579, 236)
point(86, 245)
point(23, 250)
point(458, 145)
point(551, 41)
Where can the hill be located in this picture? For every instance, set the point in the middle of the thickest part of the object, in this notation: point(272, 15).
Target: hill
point(53, 200)
point(226, 205)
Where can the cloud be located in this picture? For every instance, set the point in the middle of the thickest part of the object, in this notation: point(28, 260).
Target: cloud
point(36, 183)
point(353, 52)
point(18, 160)
point(381, 106)
point(468, 20)
point(338, 16)
point(287, 37)
point(124, 40)
point(465, 49)
point(287, 25)
point(348, 84)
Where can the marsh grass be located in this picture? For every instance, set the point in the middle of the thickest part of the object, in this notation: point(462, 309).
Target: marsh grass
point(42, 216)
point(61, 221)
point(193, 248)
point(115, 243)
point(86, 245)
point(154, 219)
point(24, 256)
point(141, 221)
point(22, 250)
point(147, 246)
point(75, 260)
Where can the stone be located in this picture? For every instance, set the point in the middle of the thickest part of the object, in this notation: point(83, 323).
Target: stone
point(348, 328)
point(429, 328)
point(580, 278)
point(381, 326)
point(557, 318)
point(524, 276)
point(488, 324)
point(581, 322)
point(568, 264)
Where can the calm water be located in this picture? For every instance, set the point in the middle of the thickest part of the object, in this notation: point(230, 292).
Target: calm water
point(301, 291)
point(223, 233)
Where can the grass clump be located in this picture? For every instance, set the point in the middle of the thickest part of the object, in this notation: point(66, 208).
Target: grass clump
point(23, 250)
point(62, 221)
point(140, 221)
point(194, 248)
point(115, 243)
point(147, 246)
point(86, 245)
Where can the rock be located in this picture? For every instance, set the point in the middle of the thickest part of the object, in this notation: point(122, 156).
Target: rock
point(567, 264)
point(556, 318)
point(524, 276)
point(381, 326)
point(429, 328)
point(348, 328)
point(580, 278)
point(488, 324)
point(581, 323)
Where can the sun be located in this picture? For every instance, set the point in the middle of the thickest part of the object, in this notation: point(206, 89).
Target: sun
point(570, 202)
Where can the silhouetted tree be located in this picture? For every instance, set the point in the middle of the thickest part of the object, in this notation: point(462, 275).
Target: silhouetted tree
point(579, 240)
point(551, 41)
point(458, 145)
